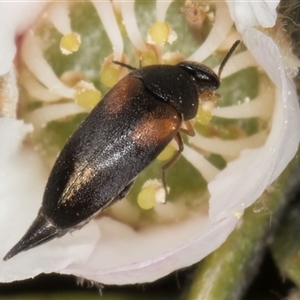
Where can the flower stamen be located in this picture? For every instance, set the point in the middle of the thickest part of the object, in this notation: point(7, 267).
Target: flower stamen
point(229, 148)
point(205, 168)
point(35, 89)
point(237, 63)
point(109, 21)
point(130, 23)
point(58, 14)
point(222, 25)
point(261, 107)
point(41, 116)
point(33, 57)
point(161, 9)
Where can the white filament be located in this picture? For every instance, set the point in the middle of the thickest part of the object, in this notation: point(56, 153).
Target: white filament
point(33, 57)
point(41, 116)
point(261, 106)
point(217, 35)
point(35, 89)
point(161, 9)
point(229, 148)
point(207, 170)
point(237, 63)
point(129, 19)
point(230, 40)
point(108, 18)
point(58, 13)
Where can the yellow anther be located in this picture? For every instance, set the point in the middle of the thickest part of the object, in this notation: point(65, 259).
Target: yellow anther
point(86, 95)
point(167, 153)
point(203, 116)
point(149, 58)
point(109, 76)
point(70, 43)
point(159, 33)
point(146, 198)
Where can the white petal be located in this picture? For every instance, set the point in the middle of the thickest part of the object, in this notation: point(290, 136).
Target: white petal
point(124, 255)
point(15, 19)
point(24, 175)
point(249, 13)
point(245, 179)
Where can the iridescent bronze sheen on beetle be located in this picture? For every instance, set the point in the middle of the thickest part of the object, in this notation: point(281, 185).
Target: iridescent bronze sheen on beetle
point(127, 130)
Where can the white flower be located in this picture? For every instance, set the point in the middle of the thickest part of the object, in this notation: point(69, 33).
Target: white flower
point(106, 250)
point(247, 14)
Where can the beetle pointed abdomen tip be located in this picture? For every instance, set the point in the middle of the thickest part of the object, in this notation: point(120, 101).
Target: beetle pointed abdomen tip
point(38, 233)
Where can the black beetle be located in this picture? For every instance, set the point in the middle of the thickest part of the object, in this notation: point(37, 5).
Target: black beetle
point(134, 122)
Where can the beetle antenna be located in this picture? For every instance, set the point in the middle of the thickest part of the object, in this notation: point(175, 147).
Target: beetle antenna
point(123, 65)
point(227, 57)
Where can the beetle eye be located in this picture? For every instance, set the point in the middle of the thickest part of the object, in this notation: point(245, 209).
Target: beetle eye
point(205, 78)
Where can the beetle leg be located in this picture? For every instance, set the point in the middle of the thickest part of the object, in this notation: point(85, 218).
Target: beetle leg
point(189, 130)
point(178, 139)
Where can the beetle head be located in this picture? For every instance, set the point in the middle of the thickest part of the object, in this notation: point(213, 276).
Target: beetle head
point(205, 78)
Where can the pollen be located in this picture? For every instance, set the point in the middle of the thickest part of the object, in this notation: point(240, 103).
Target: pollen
point(159, 33)
point(152, 193)
point(238, 214)
point(203, 116)
point(146, 198)
point(87, 95)
point(109, 76)
point(149, 58)
point(70, 43)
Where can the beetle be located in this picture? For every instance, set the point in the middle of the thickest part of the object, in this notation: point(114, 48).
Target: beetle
point(127, 130)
